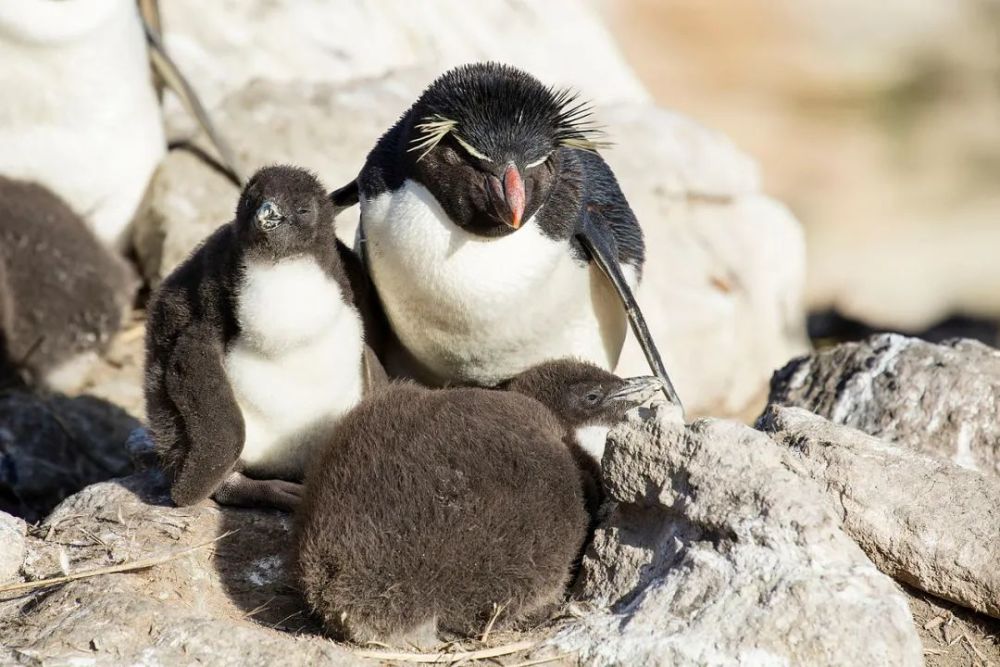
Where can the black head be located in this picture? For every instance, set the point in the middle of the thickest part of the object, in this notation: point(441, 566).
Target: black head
point(581, 394)
point(284, 211)
point(484, 139)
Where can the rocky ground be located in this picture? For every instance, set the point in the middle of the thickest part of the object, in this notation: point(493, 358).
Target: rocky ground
point(797, 541)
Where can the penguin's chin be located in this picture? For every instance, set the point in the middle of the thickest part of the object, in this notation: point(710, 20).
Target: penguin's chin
point(489, 226)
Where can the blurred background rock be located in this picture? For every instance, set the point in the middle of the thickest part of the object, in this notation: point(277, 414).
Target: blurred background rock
point(878, 123)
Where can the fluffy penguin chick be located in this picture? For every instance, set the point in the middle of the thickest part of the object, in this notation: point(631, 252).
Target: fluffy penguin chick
point(429, 507)
point(62, 294)
point(254, 348)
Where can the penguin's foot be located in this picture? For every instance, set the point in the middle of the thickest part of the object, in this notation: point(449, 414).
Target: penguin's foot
point(242, 491)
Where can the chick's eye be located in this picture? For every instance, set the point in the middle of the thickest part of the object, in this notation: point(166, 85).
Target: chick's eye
point(592, 398)
point(303, 211)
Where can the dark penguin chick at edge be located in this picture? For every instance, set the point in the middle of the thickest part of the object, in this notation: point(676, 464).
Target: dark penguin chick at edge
point(432, 508)
point(472, 206)
point(255, 347)
point(63, 295)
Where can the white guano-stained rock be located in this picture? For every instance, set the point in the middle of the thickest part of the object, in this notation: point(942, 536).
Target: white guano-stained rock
point(718, 553)
point(942, 400)
point(925, 521)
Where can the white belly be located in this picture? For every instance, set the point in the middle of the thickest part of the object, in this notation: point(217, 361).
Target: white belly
point(296, 367)
point(478, 310)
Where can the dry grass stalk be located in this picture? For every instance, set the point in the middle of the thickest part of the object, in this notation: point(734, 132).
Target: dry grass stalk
point(114, 569)
point(497, 610)
point(542, 661)
point(448, 658)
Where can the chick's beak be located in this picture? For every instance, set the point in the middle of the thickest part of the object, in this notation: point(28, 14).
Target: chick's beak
point(637, 390)
point(513, 193)
point(268, 216)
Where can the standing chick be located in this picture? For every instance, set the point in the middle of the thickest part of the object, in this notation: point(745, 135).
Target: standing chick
point(254, 348)
point(429, 507)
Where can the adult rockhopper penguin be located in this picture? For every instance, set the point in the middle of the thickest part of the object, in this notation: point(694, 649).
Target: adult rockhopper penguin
point(495, 234)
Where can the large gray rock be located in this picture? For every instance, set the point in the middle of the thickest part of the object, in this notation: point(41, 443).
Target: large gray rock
point(225, 44)
point(53, 445)
point(925, 521)
point(722, 287)
point(223, 605)
point(942, 400)
point(187, 200)
point(718, 553)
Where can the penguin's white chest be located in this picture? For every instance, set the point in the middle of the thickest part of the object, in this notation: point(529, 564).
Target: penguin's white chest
point(296, 366)
point(476, 310)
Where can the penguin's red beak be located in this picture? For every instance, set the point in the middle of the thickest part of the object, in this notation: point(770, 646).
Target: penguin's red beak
point(513, 193)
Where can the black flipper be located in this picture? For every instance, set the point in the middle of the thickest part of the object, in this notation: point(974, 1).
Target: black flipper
point(599, 243)
point(175, 80)
point(345, 197)
point(210, 425)
point(365, 299)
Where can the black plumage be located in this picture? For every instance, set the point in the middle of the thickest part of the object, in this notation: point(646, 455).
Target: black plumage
point(430, 509)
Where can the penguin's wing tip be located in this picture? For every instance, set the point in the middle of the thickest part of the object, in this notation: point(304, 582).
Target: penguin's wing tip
point(345, 196)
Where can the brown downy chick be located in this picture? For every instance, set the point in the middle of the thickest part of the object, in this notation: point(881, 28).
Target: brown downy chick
point(63, 295)
point(431, 508)
point(589, 401)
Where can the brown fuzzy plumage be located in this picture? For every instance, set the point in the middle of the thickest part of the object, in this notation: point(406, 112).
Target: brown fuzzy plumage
point(429, 507)
point(61, 292)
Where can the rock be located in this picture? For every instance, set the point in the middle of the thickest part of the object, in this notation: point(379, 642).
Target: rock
point(896, 116)
point(225, 45)
point(723, 281)
point(224, 604)
point(942, 400)
point(188, 199)
point(53, 445)
point(929, 523)
point(13, 532)
point(718, 553)
point(80, 115)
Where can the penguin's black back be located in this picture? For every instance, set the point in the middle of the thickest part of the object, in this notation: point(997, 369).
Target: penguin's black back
point(63, 293)
point(437, 505)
